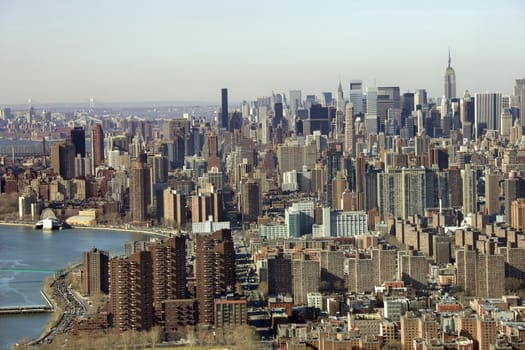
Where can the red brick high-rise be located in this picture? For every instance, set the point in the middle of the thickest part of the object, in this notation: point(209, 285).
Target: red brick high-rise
point(130, 292)
point(205, 205)
point(139, 190)
point(95, 272)
point(214, 271)
point(149, 288)
point(169, 272)
point(455, 187)
point(174, 208)
point(97, 146)
point(63, 159)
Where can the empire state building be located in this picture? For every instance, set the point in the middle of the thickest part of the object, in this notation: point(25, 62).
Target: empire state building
point(450, 81)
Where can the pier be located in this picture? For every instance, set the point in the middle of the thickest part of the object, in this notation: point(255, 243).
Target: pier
point(29, 309)
point(26, 309)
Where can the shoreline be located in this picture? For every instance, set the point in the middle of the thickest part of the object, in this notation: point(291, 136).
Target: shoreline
point(124, 229)
point(100, 228)
point(21, 224)
point(54, 317)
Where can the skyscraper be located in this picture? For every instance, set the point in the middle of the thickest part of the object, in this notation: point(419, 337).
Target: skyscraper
point(168, 272)
point(356, 96)
point(278, 114)
point(295, 101)
point(466, 259)
point(418, 191)
point(384, 264)
point(360, 187)
point(94, 276)
point(455, 187)
point(412, 268)
point(506, 123)
point(420, 98)
point(206, 204)
point(213, 144)
point(250, 199)
point(450, 82)
point(518, 214)
point(340, 98)
point(490, 275)
point(279, 275)
point(339, 184)
point(326, 99)
point(224, 108)
point(130, 292)
point(214, 270)
point(97, 146)
point(389, 193)
point(513, 188)
point(466, 109)
point(361, 274)
point(63, 159)
point(492, 193)
point(371, 120)
point(174, 207)
point(349, 130)
point(305, 279)
point(388, 101)
point(407, 104)
point(159, 168)
point(334, 158)
point(480, 274)
point(78, 139)
point(149, 287)
point(139, 190)
point(519, 92)
point(470, 193)
point(487, 112)
point(319, 119)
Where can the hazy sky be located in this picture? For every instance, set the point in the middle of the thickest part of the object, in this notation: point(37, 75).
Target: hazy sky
point(118, 51)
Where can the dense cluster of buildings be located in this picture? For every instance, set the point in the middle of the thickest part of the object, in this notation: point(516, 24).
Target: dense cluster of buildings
point(312, 177)
point(154, 285)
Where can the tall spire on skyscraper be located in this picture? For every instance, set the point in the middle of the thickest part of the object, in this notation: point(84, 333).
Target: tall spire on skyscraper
point(340, 97)
point(340, 113)
point(450, 80)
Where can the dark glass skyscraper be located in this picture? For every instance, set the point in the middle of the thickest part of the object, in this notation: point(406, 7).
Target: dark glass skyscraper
point(224, 108)
point(334, 164)
point(278, 117)
point(78, 139)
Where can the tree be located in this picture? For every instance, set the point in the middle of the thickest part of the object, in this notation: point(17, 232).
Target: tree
point(245, 337)
point(154, 335)
point(190, 335)
point(262, 289)
point(238, 288)
point(9, 206)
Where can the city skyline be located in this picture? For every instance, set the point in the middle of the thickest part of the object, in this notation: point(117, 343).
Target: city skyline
point(122, 51)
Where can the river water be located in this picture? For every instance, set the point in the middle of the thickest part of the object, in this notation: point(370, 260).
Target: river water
point(28, 256)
